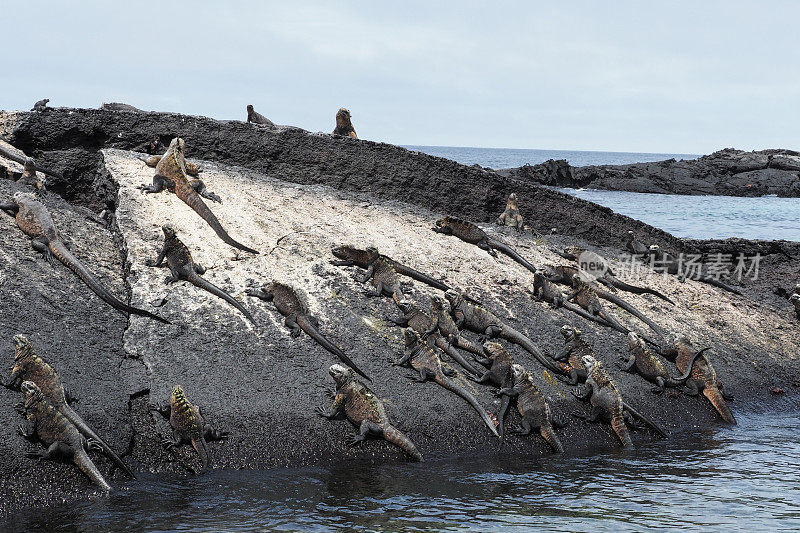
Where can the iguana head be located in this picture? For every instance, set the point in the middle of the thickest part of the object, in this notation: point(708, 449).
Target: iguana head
point(270, 287)
point(453, 297)
point(405, 305)
point(351, 253)
point(20, 198)
point(340, 374)
point(797, 289)
point(517, 372)
point(576, 280)
point(23, 347)
point(249, 108)
point(512, 200)
point(169, 231)
point(492, 349)
point(410, 337)
point(32, 393)
point(633, 341)
point(795, 299)
point(343, 117)
point(589, 362)
point(569, 332)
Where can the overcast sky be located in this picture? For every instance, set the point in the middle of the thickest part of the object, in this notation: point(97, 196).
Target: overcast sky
point(678, 77)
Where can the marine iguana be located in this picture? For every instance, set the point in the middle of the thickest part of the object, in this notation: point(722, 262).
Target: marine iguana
point(609, 279)
point(35, 221)
point(344, 126)
point(172, 174)
point(41, 105)
point(384, 279)
point(588, 298)
point(188, 426)
point(424, 359)
point(440, 311)
point(416, 319)
point(257, 118)
point(662, 260)
point(650, 367)
point(472, 234)
point(289, 304)
point(482, 321)
point(574, 350)
point(364, 410)
point(511, 216)
point(28, 366)
point(702, 376)
point(605, 399)
point(25, 161)
point(533, 407)
point(635, 246)
point(118, 106)
point(183, 267)
point(545, 290)
point(499, 375)
point(351, 256)
point(54, 430)
point(31, 178)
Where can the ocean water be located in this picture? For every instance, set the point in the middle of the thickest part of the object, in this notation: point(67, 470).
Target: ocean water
point(516, 157)
point(741, 478)
point(698, 217)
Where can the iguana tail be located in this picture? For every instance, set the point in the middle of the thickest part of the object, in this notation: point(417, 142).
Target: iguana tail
point(579, 311)
point(452, 352)
point(71, 262)
point(652, 425)
point(510, 334)
point(309, 328)
point(419, 276)
point(636, 290)
point(501, 414)
point(685, 376)
point(81, 426)
point(549, 434)
point(396, 437)
point(629, 308)
point(619, 427)
point(206, 285)
point(715, 397)
point(82, 461)
point(721, 285)
point(21, 160)
point(510, 252)
point(466, 344)
point(194, 201)
point(450, 385)
point(199, 444)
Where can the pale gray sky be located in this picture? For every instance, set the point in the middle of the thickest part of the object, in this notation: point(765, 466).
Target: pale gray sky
point(683, 77)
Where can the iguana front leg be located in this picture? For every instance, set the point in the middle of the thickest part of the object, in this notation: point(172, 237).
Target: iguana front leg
point(200, 188)
point(629, 362)
point(587, 392)
point(28, 429)
point(367, 275)
point(159, 184)
point(258, 293)
point(162, 254)
point(337, 407)
point(163, 410)
point(404, 359)
point(10, 208)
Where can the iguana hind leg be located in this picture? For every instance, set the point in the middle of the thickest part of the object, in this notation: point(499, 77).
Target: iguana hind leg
point(210, 433)
point(200, 188)
point(294, 328)
point(524, 428)
point(158, 185)
point(365, 429)
point(41, 246)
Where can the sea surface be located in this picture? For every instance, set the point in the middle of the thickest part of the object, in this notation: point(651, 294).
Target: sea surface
point(697, 217)
point(741, 478)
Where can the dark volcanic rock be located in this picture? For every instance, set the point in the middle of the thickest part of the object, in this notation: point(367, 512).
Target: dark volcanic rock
point(727, 172)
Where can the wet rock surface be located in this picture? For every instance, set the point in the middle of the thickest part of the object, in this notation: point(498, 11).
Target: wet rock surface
point(728, 172)
point(260, 384)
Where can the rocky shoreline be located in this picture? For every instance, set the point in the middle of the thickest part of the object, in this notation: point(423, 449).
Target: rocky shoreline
point(728, 172)
point(295, 195)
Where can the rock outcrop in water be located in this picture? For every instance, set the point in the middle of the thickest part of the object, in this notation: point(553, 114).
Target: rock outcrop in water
point(294, 195)
point(727, 172)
